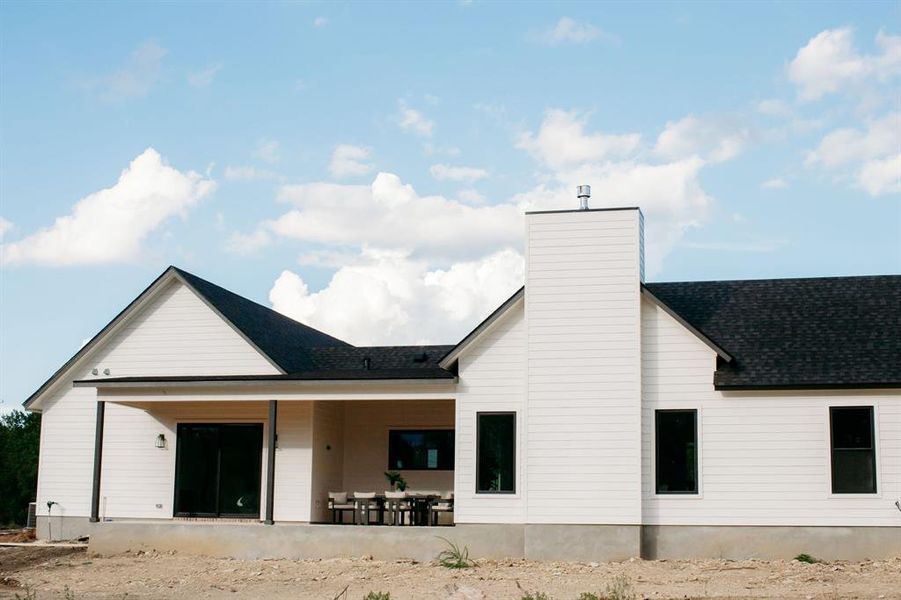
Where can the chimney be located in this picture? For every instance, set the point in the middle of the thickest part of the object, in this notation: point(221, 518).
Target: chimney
point(583, 363)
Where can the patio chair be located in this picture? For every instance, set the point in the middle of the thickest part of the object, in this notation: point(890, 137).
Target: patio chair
point(365, 503)
point(338, 504)
point(398, 504)
point(443, 505)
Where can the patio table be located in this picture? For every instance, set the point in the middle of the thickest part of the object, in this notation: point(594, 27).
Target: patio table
point(419, 514)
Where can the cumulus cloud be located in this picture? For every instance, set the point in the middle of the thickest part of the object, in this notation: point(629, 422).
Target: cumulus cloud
point(204, 77)
point(387, 297)
point(715, 140)
point(868, 155)
point(267, 151)
point(5, 227)
point(562, 141)
point(349, 161)
point(413, 121)
point(390, 214)
point(135, 78)
point(569, 31)
point(443, 172)
point(829, 62)
point(320, 22)
point(109, 226)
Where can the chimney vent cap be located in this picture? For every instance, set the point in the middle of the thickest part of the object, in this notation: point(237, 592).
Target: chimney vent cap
point(583, 192)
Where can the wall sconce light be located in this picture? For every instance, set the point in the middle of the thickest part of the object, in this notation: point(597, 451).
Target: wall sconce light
point(161, 441)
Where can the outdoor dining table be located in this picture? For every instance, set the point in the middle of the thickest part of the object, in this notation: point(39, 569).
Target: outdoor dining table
point(419, 505)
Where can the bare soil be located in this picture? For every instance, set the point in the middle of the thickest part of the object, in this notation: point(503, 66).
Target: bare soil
point(50, 573)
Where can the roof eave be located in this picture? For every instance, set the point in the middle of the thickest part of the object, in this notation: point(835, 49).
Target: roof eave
point(451, 357)
point(697, 332)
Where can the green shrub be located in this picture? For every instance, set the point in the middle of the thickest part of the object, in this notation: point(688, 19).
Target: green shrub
point(536, 596)
point(453, 557)
point(806, 558)
point(377, 596)
point(589, 596)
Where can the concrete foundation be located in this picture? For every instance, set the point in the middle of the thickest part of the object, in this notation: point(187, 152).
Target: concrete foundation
point(62, 528)
point(738, 543)
point(582, 543)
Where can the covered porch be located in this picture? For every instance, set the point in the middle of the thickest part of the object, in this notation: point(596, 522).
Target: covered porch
point(200, 452)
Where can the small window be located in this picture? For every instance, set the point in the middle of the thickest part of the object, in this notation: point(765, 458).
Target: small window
point(496, 453)
point(421, 449)
point(677, 451)
point(853, 450)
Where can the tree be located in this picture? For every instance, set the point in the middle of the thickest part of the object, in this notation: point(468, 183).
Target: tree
point(20, 435)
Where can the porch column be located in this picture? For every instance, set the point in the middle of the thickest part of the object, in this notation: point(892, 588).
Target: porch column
point(98, 456)
point(270, 466)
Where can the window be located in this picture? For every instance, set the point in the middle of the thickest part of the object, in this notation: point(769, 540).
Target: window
point(496, 453)
point(677, 451)
point(421, 449)
point(853, 450)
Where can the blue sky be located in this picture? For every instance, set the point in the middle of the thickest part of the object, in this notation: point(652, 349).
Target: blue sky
point(363, 167)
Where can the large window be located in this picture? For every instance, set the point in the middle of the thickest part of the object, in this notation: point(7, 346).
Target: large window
point(421, 449)
point(677, 451)
point(496, 453)
point(853, 450)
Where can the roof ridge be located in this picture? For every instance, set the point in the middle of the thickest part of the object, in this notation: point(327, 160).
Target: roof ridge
point(786, 279)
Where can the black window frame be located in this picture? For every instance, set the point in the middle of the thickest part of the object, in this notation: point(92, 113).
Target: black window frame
point(511, 413)
point(872, 449)
point(697, 466)
point(453, 439)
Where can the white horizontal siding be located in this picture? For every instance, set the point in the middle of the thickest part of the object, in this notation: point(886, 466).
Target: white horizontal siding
point(764, 456)
point(175, 333)
point(492, 379)
point(328, 456)
point(582, 418)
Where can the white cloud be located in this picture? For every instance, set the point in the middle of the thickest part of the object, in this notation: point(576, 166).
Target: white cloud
point(562, 141)
point(569, 31)
point(320, 22)
point(451, 173)
point(267, 151)
point(881, 176)
point(847, 145)
point(390, 214)
point(248, 243)
point(868, 156)
point(110, 225)
point(349, 161)
point(5, 227)
point(248, 173)
point(471, 196)
point(204, 77)
point(135, 79)
point(829, 62)
point(715, 140)
point(777, 183)
point(774, 108)
point(413, 121)
point(387, 297)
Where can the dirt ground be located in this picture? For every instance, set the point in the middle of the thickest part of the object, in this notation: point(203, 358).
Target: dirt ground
point(47, 573)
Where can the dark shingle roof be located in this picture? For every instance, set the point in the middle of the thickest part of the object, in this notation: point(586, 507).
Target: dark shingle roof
point(307, 353)
point(282, 339)
point(826, 332)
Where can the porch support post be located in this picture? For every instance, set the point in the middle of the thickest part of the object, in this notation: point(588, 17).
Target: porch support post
point(98, 460)
point(270, 466)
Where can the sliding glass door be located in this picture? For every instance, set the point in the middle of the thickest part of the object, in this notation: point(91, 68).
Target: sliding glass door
point(217, 470)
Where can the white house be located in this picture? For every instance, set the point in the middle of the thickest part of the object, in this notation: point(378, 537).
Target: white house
point(591, 416)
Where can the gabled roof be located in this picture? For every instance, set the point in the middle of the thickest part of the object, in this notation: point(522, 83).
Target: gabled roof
point(282, 339)
point(815, 333)
point(298, 351)
point(454, 352)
